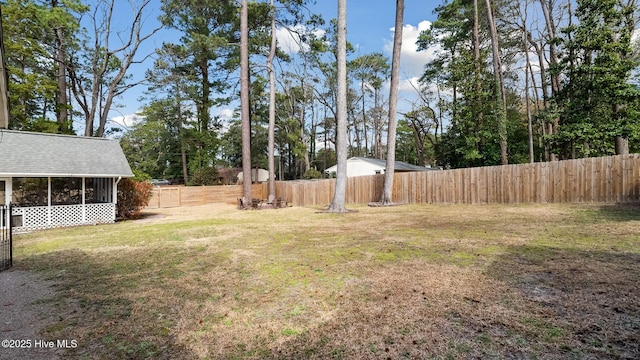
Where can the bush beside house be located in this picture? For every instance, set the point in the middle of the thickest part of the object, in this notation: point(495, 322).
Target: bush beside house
point(133, 196)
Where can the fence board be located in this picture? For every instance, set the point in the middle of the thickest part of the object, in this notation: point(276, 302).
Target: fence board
point(605, 179)
point(170, 196)
point(634, 182)
point(617, 179)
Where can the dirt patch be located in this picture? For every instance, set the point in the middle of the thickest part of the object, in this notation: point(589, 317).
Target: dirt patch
point(26, 304)
point(185, 213)
point(592, 295)
point(149, 218)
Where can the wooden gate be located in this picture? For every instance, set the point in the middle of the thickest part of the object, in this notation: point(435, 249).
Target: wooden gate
point(6, 238)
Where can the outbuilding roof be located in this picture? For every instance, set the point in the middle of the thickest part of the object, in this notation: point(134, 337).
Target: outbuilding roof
point(28, 154)
point(357, 166)
point(398, 166)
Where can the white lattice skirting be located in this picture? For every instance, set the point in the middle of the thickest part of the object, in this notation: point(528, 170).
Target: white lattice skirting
point(43, 217)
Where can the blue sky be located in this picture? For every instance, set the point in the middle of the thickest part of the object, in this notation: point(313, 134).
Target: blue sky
point(369, 22)
point(369, 29)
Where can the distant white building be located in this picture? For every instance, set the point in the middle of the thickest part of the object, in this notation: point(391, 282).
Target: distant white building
point(360, 166)
point(257, 175)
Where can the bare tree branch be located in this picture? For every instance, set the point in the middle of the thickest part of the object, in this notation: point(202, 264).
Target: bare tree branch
point(96, 84)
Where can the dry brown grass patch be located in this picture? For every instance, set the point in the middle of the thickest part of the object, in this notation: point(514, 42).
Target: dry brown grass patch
point(400, 282)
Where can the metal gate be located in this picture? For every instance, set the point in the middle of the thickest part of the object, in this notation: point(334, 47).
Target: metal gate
point(6, 238)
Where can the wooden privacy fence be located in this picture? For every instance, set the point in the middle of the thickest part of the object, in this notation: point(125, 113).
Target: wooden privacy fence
point(174, 196)
point(605, 179)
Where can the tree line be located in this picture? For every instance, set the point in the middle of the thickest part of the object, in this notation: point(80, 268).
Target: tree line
point(511, 82)
point(562, 83)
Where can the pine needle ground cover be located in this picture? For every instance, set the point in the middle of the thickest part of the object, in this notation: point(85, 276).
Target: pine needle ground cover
point(415, 282)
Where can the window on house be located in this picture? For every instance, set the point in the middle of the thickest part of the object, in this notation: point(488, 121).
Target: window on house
point(29, 191)
point(98, 190)
point(66, 191)
point(35, 191)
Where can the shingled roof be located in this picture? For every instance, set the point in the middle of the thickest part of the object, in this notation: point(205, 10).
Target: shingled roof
point(27, 154)
point(359, 166)
point(399, 165)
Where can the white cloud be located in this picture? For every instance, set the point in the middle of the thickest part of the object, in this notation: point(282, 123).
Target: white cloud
point(289, 39)
point(411, 93)
point(225, 114)
point(127, 121)
point(412, 61)
point(409, 85)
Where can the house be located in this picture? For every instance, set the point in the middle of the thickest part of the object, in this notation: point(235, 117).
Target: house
point(59, 180)
point(360, 166)
point(257, 175)
point(228, 176)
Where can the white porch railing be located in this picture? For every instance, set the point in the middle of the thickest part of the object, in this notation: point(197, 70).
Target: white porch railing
point(44, 217)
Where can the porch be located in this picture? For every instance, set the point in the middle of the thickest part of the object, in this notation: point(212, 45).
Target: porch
point(42, 203)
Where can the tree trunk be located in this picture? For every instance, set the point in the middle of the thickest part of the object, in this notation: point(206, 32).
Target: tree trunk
point(244, 105)
point(525, 49)
point(340, 192)
point(183, 150)
point(622, 145)
point(393, 106)
point(4, 91)
point(61, 106)
point(203, 109)
point(528, 102)
point(306, 164)
point(547, 11)
point(272, 107)
point(364, 121)
point(545, 93)
point(478, 69)
point(622, 142)
point(556, 84)
point(501, 100)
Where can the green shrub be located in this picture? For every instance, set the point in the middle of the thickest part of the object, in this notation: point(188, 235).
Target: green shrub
point(312, 174)
point(204, 176)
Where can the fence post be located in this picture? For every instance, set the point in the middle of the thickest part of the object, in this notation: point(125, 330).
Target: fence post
point(10, 235)
point(6, 237)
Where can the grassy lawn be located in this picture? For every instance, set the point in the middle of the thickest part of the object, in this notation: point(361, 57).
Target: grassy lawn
point(416, 282)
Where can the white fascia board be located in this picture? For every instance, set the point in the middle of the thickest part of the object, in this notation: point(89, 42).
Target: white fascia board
point(65, 175)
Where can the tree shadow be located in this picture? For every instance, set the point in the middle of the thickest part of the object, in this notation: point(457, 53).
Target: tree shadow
point(620, 212)
point(531, 302)
point(590, 297)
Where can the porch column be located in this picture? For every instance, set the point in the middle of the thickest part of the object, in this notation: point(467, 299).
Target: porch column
point(8, 188)
point(49, 201)
point(84, 206)
point(114, 189)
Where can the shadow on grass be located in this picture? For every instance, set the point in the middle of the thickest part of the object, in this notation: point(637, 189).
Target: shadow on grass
point(101, 304)
point(620, 212)
point(590, 298)
point(531, 302)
